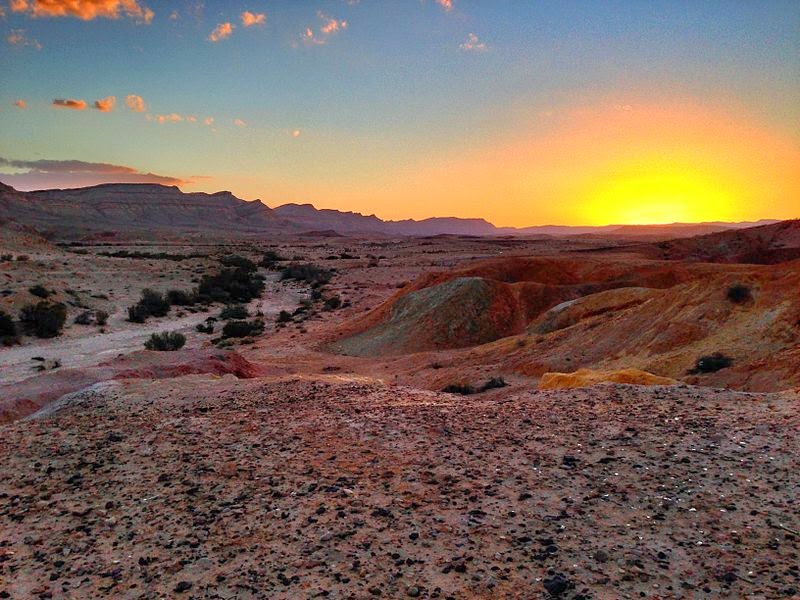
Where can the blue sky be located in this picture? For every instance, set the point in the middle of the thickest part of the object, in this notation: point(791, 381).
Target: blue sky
point(394, 100)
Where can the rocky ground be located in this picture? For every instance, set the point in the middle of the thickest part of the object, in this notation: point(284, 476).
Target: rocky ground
point(203, 487)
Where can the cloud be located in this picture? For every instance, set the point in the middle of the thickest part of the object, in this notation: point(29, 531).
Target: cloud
point(473, 44)
point(170, 118)
point(69, 103)
point(18, 38)
point(42, 174)
point(86, 10)
point(249, 19)
point(329, 27)
point(239, 123)
point(221, 32)
point(135, 103)
point(445, 4)
point(208, 121)
point(296, 133)
point(105, 104)
point(20, 103)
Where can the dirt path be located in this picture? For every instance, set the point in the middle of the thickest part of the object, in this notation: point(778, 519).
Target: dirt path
point(123, 337)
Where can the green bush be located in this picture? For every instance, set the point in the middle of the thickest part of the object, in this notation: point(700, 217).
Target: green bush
point(180, 298)
point(154, 301)
point(240, 329)
point(711, 363)
point(166, 341)
point(311, 274)
point(231, 285)
point(239, 262)
point(233, 311)
point(44, 319)
point(39, 291)
point(138, 313)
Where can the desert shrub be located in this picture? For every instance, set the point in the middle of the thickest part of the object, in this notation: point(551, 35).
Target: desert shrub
point(333, 303)
point(239, 262)
point(166, 341)
point(150, 255)
point(84, 318)
point(493, 383)
point(8, 329)
point(316, 294)
point(43, 319)
point(271, 259)
point(39, 291)
point(233, 311)
point(154, 301)
point(231, 285)
point(739, 294)
point(138, 313)
point(23, 257)
point(180, 298)
point(459, 388)
point(205, 328)
point(284, 316)
point(239, 329)
point(101, 317)
point(711, 363)
point(6, 257)
point(311, 274)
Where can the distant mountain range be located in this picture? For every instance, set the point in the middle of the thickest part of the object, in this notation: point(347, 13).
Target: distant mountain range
point(158, 209)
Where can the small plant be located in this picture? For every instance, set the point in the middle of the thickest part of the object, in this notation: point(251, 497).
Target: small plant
point(739, 294)
point(154, 301)
point(459, 388)
point(493, 384)
point(233, 311)
point(8, 330)
point(711, 363)
point(84, 318)
point(239, 262)
point(333, 303)
point(138, 313)
point(284, 316)
point(180, 298)
point(44, 319)
point(101, 317)
point(240, 329)
point(311, 274)
point(6, 257)
point(166, 341)
point(207, 328)
point(271, 259)
point(39, 291)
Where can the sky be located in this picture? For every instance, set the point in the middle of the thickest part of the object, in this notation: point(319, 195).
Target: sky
point(521, 112)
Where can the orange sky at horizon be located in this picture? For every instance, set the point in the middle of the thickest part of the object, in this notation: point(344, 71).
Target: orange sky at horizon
point(643, 163)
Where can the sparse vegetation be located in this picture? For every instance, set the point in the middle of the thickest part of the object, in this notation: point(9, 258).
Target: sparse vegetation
point(333, 303)
point(711, 363)
point(44, 319)
point(101, 317)
point(205, 328)
point(233, 311)
point(240, 329)
point(138, 313)
point(231, 285)
point(239, 262)
point(166, 341)
point(180, 298)
point(310, 273)
point(39, 291)
point(8, 330)
point(154, 301)
point(271, 259)
point(739, 293)
point(84, 318)
point(459, 388)
point(150, 255)
point(284, 316)
point(493, 384)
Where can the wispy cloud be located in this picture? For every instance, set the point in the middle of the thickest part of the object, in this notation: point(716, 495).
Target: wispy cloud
point(70, 103)
point(135, 103)
point(18, 38)
point(249, 19)
point(221, 32)
point(105, 104)
point(86, 10)
point(40, 174)
point(168, 118)
point(473, 44)
point(239, 123)
point(330, 26)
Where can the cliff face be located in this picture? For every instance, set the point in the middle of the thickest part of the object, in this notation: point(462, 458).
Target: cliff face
point(137, 207)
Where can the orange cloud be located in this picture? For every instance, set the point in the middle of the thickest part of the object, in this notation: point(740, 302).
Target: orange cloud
point(18, 38)
point(445, 4)
point(296, 133)
point(170, 118)
point(86, 10)
point(239, 122)
point(135, 103)
point(221, 32)
point(329, 27)
point(20, 104)
point(208, 121)
point(105, 104)
point(69, 103)
point(249, 19)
